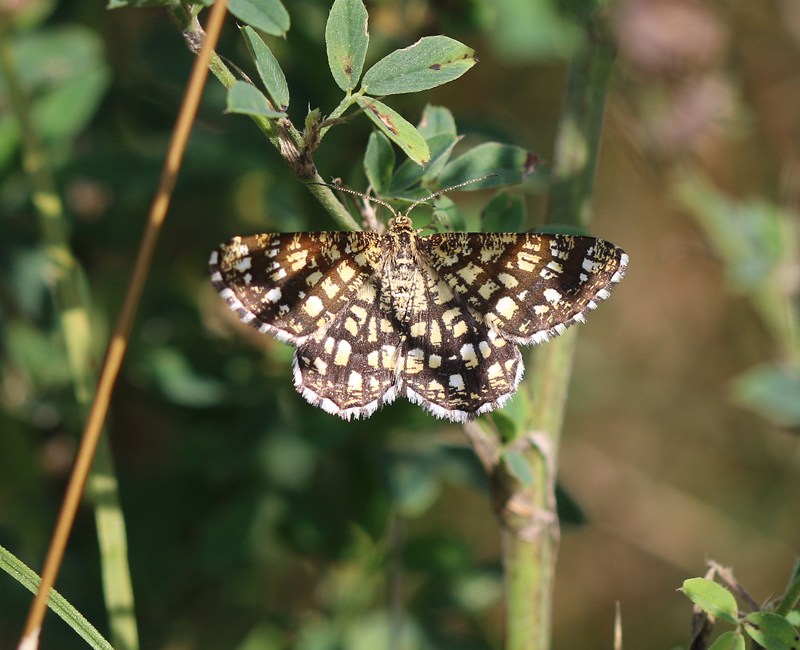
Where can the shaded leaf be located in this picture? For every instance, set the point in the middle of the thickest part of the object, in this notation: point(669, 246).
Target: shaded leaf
point(435, 121)
point(440, 147)
point(447, 215)
point(179, 382)
point(747, 235)
point(771, 631)
point(519, 467)
point(430, 62)
point(773, 391)
point(64, 72)
point(66, 110)
point(249, 100)
point(346, 39)
point(379, 162)
point(414, 488)
point(511, 165)
point(507, 427)
point(504, 213)
point(397, 129)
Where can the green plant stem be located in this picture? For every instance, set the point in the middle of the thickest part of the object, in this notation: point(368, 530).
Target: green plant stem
point(531, 531)
point(791, 597)
point(578, 138)
point(72, 302)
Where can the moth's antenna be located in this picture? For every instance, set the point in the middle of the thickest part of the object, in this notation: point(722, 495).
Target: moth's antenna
point(446, 189)
point(339, 188)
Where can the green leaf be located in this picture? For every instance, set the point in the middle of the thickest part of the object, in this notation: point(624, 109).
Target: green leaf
point(530, 30)
point(9, 137)
point(440, 147)
point(430, 62)
point(346, 38)
point(519, 467)
point(379, 162)
point(771, 631)
point(268, 69)
point(794, 617)
point(435, 121)
point(749, 236)
point(711, 598)
point(504, 213)
point(397, 129)
point(249, 100)
point(568, 509)
point(64, 71)
point(505, 424)
point(447, 214)
point(180, 383)
point(269, 16)
point(56, 602)
point(65, 112)
point(414, 486)
point(511, 164)
point(773, 391)
point(729, 641)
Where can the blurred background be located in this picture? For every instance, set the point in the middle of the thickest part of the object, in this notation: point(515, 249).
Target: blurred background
point(258, 522)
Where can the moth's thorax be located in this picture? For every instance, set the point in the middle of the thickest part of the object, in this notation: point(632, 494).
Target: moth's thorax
point(400, 276)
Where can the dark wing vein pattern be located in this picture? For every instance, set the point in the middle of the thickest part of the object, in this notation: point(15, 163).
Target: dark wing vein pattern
point(435, 318)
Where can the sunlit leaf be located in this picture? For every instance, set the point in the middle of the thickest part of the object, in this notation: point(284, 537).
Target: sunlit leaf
point(712, 598)
point(397, 129)
point(268, 69)
point(732, 640)
point(269, 16)
point(430, 62)
point(346, 39)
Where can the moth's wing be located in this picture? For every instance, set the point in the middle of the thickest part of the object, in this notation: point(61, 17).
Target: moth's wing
point(293, 284)
point(452, 363)
point(528, 287)
point(349, 368)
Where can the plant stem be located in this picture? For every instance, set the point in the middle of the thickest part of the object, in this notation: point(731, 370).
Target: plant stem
point(530, 550)
point(578, 138)
point(792, 595)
